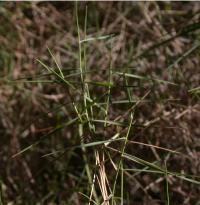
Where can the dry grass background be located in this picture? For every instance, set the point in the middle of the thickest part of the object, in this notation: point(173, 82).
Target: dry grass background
point(168, 118)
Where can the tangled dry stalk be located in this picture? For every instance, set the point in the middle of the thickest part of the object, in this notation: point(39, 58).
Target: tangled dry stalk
point(129, 49)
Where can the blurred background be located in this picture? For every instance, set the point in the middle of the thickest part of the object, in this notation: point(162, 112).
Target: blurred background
point(158, 42)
